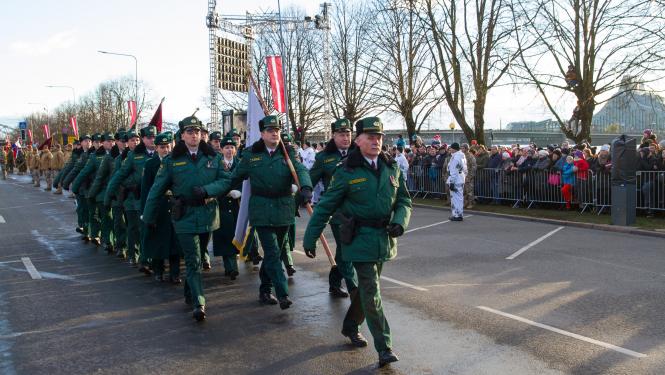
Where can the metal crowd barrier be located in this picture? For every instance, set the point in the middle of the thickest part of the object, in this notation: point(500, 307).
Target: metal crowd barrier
point(591, 191)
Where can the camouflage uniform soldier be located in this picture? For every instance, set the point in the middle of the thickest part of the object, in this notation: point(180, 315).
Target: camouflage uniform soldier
point(45, 167)
point(3, 160)
point(469, 183)
point(32, 158)
point(57, 163)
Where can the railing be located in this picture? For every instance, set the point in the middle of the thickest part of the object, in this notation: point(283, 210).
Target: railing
point(592, 191)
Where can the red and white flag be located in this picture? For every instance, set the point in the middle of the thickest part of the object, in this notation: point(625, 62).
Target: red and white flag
point(131, 105)
point(156, 120)
point(276, 82)
point(30, 136)
point(75, 126)
point(47, 132)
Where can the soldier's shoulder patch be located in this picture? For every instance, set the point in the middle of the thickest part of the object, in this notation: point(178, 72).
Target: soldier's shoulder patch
point(329, 160)
point(357, 181)
point(256, 158)
point(139, 157)
point(177, 164)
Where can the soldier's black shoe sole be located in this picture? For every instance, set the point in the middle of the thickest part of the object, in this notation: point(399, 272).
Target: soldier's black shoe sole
point(337, 292)
point(357, 339)
point(199, 313)
point(285, 303)
point(267, 299)
point(386, 357)
point(290, 271)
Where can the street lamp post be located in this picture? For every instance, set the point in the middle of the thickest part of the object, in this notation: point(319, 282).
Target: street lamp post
point(452, 127)
point(136, 71)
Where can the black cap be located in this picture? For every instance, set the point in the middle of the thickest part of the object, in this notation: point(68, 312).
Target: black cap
point(455, 146)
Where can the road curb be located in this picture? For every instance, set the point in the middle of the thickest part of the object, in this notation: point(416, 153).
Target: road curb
point(603, 227)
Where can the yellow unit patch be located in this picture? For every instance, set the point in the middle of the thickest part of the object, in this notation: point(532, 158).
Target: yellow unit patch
point(139, 158)
point(329, 160)
point(179, 163)
point(357, 181)
point(256, 159)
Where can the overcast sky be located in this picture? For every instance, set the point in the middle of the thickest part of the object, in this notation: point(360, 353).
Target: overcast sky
point(45, 42)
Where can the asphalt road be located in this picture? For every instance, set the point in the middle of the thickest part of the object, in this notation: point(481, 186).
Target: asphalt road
point(579, 301)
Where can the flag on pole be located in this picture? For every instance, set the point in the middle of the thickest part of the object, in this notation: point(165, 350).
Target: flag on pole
point(30, 136)
point(254, 114)
point(156, 120)
point(131, 105)
point(75, 126)
point(47, 131)
point(276, 82)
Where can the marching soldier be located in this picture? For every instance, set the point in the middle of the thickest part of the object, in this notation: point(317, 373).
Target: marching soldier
point(192, 172)
point(272, 206)
point(229, 205)
point(98, 189)
point(369, 195)
point(45, 167)
point(81, 203)
point(32, 161)
point(9, 163)
point(129, 177)
point(126, 142)
point(83, 182)
point(323, 169)
point(74, 155)
point(160, 243)
point(3, 160)
point(57, 163)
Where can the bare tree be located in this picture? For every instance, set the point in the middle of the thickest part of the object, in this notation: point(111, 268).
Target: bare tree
point(471, 43)
point(403, 63)
point(608, 44)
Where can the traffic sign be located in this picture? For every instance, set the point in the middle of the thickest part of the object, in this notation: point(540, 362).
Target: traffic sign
point(22, 125)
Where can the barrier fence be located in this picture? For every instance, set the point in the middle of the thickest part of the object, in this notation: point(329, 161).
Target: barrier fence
point(591, 191)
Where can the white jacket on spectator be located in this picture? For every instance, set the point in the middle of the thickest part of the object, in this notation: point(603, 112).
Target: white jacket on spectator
point(457, 168)
point(403, 164)
point(308, 156)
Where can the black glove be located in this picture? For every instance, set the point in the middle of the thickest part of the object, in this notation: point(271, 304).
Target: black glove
point(305, 196)
point(452, 187)
point(395, 230)
point(311, 253)
point(198, 192)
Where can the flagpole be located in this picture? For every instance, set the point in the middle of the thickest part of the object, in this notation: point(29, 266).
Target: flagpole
point(284, 59)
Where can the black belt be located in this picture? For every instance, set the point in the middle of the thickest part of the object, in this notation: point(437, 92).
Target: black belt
point(271, 194)
point(377, 223)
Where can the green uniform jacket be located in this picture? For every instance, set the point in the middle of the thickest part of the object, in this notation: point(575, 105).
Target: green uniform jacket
point(356, 190)
point(68, 167)
point(160, 242)
point(87, 174)
point(76, 169)
point(222, 238)
point(180, 174)
point(272, 202)
point(104, 172)
point(117, 163)
point(129, 176)
point(324, 166)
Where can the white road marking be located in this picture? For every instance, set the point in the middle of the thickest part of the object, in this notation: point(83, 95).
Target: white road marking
point(565, 333)
point(532, 244)
point(2, 220)
point(31, 268)
point(430, 225)
point(402, 283)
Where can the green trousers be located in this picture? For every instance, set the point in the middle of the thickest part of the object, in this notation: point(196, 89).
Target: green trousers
point(251, 249)
point(133, 234)
point(366, 304)
point(107, 223)
point(271, 272)
point(94, 222)
point(344, 269)
point(287, 246)
point(230, 263)
point(192, 246)
point(82, 213)
point(119, 229)
point(174, 266)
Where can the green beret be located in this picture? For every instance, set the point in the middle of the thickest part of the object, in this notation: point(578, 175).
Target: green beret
point(190, 122)
point(228, 141)
point(370, 125)
point(84, 137)
point(164, 138)
point(286, 138)
point(120, 135)
point(341, 125)
point(148, 131)
point(233, 132)
point(217, 136)
point(97, 137)
point(269, 122)
point(108, 136)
